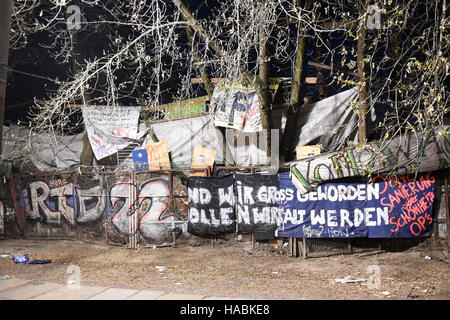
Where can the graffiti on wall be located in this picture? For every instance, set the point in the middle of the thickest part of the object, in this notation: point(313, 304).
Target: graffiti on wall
point(60, 201)
point(147, 204)
point(403, 155)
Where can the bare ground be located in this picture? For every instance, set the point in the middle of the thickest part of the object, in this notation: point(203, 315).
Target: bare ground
point(234, 269)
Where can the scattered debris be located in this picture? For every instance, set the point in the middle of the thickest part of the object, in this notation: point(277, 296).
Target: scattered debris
point(6, 277)
point(4, 256)
point(275, 272)
point(211, 268)
point(178, 283)
point(350, 279)
point(160, 268)
point(427, 258)
point(37, 261)
point(412, 296)
point(371, 253)
point(20, 258)
point(385, 293)
point(425, 291)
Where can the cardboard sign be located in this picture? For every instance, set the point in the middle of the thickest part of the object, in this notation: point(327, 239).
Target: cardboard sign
point(201, 159)
point(304, 152)
point(158, 156)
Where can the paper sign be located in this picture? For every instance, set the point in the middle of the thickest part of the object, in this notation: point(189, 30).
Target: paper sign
point(140, 160)
point(158, 156)
point(236, 105)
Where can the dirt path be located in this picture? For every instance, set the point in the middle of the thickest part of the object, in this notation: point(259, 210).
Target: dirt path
point(234, 269)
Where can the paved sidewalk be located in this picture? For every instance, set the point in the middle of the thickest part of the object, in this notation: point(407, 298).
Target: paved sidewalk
point(20, 289)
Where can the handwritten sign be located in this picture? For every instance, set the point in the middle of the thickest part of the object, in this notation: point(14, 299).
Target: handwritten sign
point(257, 205)
point(110, 129)
point(158, 156)
point(211, 205)
point(382, 209)
point(185, 108)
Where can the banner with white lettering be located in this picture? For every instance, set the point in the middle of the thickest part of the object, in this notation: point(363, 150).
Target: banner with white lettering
point(111, 129)
point(257, 205)
point(385, 208)
point(211, 205)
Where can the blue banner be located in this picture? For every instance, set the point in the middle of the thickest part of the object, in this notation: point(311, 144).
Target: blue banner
point(385, 208)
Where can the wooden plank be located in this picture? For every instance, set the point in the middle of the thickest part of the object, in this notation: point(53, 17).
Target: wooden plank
point(447, 211)
point(333, 68)
point(309, 80)
point(144, 108)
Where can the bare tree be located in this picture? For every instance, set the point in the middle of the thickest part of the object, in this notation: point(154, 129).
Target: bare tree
point(398, 49)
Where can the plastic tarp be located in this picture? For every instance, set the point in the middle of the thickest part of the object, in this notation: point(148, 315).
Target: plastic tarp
point(183, 135)
point(46, 152)
point(328, 122)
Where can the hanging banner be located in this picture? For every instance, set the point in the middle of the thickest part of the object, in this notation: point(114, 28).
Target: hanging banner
point(236, 105)
point(185, 108)
point(110, 129)
point(257, 205)
point(382, 209)
point(211, 205)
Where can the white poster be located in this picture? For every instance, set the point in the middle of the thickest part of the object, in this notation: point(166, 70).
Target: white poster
point(111, 128)
point(236, 106)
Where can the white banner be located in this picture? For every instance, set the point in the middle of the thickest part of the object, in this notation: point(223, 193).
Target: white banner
point(111, 128)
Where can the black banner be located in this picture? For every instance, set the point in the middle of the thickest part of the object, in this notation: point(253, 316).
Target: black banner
point(211, 205)
point(257, 205)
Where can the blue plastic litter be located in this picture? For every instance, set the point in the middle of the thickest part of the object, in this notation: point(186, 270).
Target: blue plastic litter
point(20, 258)
point(36, 261)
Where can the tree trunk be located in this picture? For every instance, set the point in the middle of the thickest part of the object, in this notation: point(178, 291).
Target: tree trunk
point(87, 155)
point(5, 31)
point(294, 102)
point(264, 93)
point(363, 110)
point(188, 16)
